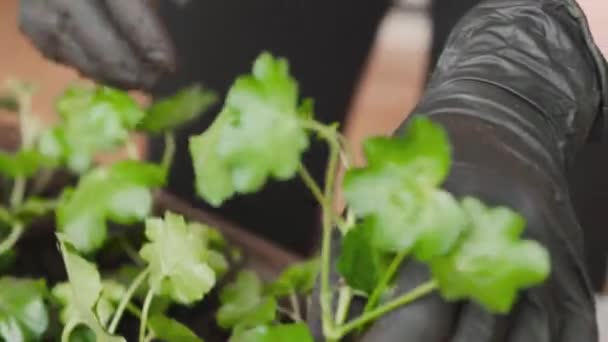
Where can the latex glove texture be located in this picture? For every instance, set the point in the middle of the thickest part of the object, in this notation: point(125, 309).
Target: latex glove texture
point(516, 115)
point(117, 42)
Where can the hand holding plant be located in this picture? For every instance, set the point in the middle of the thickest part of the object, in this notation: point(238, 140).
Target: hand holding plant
point(397, 214)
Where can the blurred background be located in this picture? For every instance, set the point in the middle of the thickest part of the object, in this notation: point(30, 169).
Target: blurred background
point(389, 88)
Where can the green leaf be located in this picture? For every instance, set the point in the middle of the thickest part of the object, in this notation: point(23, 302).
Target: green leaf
point(34, 207)
point(176, 110)
point(93, 119)
point(218, 263)
point(492, 263)
point(297, 279)
point(213, 176)
point(120, 193)
point(398, 189)
point(23, 313)
point(177, 257)
point(214, 237)
point(170, 330)
point(361, 264)
point(297, 332)
point(85, 290)
point(104, 308)
point(24, 163)
point(243, 305)
point(8, 103)
point(257, 136)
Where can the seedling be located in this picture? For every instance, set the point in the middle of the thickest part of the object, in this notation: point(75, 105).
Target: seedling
point(396, 209)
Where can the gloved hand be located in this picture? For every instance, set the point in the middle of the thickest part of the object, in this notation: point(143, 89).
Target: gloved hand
point(518, 89)
point(117, 42)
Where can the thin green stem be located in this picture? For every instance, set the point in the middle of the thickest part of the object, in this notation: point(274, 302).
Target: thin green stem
point(290, 314)
point(67, 330)
point(404, 299)
point(144, 315)
point(326, 293)
point(347, 155)
point(345, 297)
point(169, 151)
point(12, 238)
point(316, 191)
point(134, 310)
point(295, 306)
point(130, 250)
point(18, 192)
point(311, 184)
point(126, 299)
point(386, 278)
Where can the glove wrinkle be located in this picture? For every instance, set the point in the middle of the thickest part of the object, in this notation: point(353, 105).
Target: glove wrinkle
point(89, 36)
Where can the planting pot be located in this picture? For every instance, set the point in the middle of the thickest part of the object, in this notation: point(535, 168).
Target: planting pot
point(38, 257)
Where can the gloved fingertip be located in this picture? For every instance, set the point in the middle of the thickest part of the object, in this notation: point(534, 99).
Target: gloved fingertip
point(428, 319)
point(530, 322)
point(476, 324)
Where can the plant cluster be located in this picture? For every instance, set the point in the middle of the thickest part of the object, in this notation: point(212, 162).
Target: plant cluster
point(396, 209)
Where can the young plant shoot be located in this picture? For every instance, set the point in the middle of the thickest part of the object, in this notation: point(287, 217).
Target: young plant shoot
point(396, 210)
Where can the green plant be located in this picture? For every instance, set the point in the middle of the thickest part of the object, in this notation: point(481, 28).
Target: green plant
point(396, 210)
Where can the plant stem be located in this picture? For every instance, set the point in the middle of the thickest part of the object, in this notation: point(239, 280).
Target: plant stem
point(12, 238)
point(18, 192)
point(134, 310)
point(130, 250)
point(347, 156)
point(344, 299)
point(144, 315)
point(126, 299)
point(288, 313)
point(326, 293)
point(311, 184)
point(169, 151)
point(386, 278)
point(316, 191)
point(67, 330)
point(406, 298)
point(295, 305)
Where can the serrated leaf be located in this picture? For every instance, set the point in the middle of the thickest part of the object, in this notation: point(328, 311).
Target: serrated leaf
point(297, 279)
point(105, 306)
point(491, 264)
point(297, 332)
point(23, 313)
point(218, 263)
point(242, 303)
point(360, 263)
point(214, 237)
point(177, 254)
point(256, 137)
point(170, 330)
point(93, 119)
point(398, 189)
point(176, 110)
point(120, 193)
point(24, 163)
point(85, 290)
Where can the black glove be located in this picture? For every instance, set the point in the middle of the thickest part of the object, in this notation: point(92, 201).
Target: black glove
point(118, 42)
point(518, 88)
